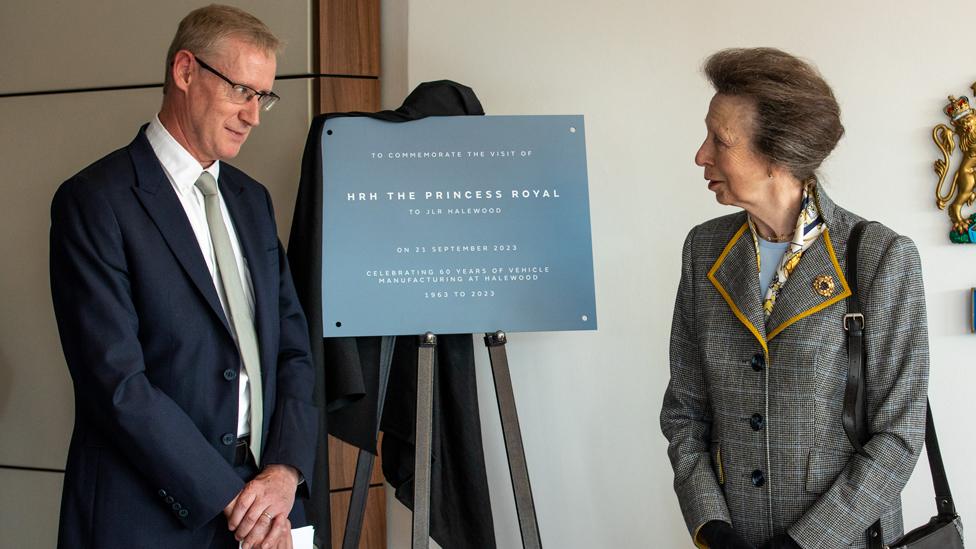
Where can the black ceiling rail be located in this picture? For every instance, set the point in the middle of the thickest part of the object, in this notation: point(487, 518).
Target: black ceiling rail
point(32, 469)
point(160, 85)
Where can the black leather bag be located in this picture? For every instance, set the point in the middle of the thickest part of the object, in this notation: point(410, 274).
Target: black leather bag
point(944, 530)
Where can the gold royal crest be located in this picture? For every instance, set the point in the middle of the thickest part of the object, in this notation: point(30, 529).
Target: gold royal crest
point(961, 190)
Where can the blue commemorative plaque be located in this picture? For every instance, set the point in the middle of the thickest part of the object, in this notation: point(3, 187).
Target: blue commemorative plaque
point(459, 224)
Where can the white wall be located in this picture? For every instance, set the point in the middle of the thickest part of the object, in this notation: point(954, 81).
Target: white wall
point(589, 402)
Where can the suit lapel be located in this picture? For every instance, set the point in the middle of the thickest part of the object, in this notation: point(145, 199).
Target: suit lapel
point(736, 278)
point(799, 298)
point(160, 201)
point(247, 223)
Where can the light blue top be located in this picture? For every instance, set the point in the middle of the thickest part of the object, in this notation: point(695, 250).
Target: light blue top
point(770, 254)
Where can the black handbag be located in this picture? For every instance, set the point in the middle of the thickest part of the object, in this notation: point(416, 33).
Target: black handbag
point(943, 531)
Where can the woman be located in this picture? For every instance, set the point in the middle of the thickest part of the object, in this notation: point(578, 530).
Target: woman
point(758, 347)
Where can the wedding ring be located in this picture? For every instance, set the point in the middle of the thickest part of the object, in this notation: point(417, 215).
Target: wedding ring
point(270, 518)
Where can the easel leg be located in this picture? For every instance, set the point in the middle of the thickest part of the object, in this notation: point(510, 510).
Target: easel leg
point(524, 505)
point(421, 480)
point(365, 460)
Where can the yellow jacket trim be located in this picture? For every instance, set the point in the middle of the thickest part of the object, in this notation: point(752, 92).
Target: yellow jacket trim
point(825, 304)
point(721, 467)
point(725, 295)
point(694, 538)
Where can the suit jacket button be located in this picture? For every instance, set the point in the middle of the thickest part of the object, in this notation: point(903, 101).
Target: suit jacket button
point(757, 422)
point(162, 493)
point(230, 374)
point(758, 362)
point(169, 500)
point(177, 506)
point(184, 513)
point(758, 478)
point(228, 439)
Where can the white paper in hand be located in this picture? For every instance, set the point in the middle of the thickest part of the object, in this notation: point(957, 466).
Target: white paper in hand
point(302, 538)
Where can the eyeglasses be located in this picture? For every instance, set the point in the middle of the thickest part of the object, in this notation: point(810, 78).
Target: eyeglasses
point(241, 94)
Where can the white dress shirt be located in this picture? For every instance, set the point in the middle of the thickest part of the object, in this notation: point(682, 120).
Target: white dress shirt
point(183, 170)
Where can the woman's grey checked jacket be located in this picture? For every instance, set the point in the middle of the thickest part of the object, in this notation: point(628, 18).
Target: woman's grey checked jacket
point(753, 409)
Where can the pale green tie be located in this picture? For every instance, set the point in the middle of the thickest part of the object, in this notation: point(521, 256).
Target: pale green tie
point(240, 317)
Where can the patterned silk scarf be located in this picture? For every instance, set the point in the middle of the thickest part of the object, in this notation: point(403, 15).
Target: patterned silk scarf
point(809, 225)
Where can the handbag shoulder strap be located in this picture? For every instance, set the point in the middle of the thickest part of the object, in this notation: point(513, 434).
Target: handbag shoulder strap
point(855, 415)
point(855, 403)
point(943, 496)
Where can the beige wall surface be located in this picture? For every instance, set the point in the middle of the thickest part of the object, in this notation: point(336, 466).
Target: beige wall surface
point(29, 505)
point(589, 402)
point(45, 139)
point(57, 45)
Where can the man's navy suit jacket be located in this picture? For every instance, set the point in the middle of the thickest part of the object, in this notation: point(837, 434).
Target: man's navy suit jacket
point(153, 361)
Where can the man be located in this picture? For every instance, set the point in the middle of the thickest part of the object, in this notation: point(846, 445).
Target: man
point(194, 422)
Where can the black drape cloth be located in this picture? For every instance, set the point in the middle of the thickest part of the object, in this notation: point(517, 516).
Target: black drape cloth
point(347, 379)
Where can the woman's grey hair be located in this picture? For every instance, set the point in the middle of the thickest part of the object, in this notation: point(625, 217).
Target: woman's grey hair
point(797, 122)
point(203, 29)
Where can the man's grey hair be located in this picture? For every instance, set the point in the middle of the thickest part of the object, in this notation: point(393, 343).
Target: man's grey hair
point(202, 31)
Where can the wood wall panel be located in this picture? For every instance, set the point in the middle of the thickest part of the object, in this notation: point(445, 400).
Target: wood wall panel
point(342, 465)
point(349, 41)
point(348, 45)
point(349, 94)
point(374, 525)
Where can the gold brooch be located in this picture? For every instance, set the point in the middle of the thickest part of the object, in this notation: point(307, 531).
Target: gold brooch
point(824, 285)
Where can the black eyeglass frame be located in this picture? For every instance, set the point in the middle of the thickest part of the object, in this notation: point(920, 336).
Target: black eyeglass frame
point(265, 99)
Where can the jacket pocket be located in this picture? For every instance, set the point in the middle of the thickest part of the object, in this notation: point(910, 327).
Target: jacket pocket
point(823, 468)
point(717, 464)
